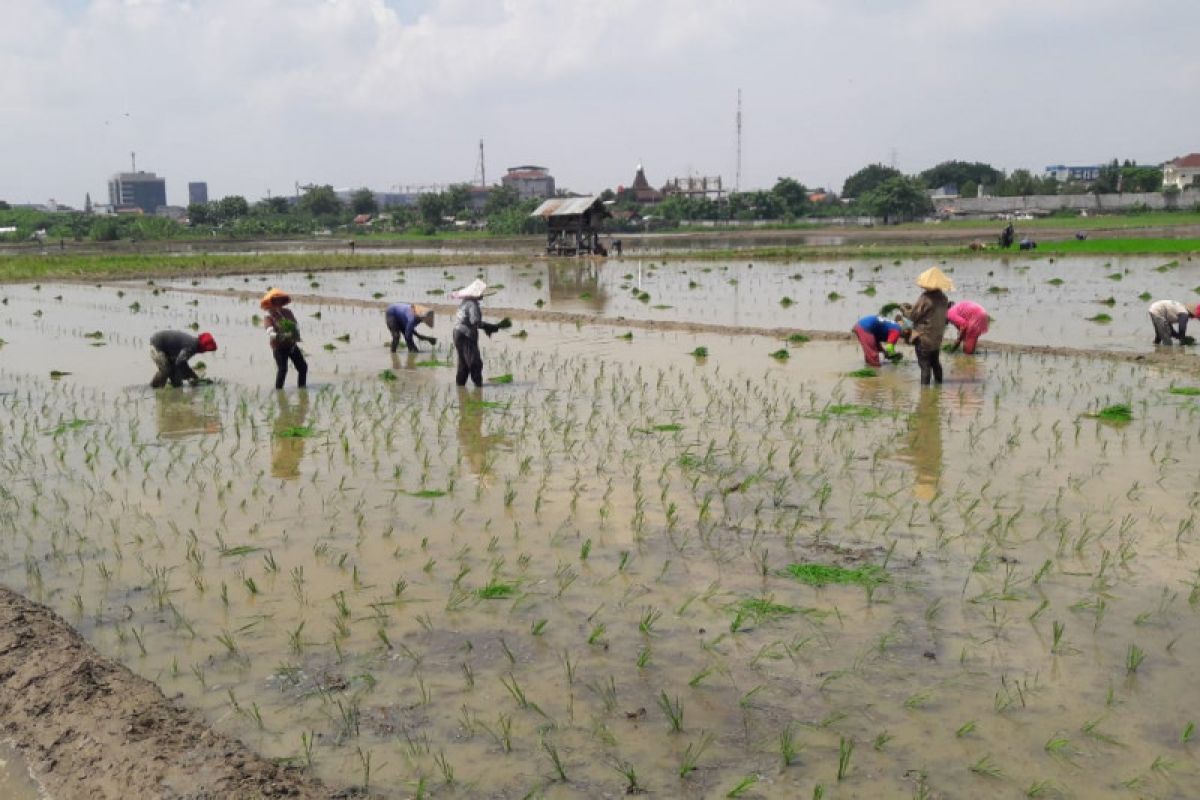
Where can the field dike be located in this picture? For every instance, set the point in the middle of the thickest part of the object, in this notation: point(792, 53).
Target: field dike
point(90, 728)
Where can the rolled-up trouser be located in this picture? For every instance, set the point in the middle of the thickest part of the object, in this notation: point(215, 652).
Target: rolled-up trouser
point(929, 359)
point(970, 337)
point(165, 370)
point(470, 362)
point(870, 347)
point(1162, 330)
point(282, 354)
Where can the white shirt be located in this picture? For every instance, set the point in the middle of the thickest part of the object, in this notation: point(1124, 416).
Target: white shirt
point(1168, 310)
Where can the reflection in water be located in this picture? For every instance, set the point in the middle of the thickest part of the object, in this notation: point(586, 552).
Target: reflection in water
point(406, 361)
point(182, 413)
point(577, 280)
point(287, 451)
point(472, 444)
point(964, 387)
point(923, 444)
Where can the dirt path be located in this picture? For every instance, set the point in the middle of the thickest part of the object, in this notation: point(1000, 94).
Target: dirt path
point(90, 728)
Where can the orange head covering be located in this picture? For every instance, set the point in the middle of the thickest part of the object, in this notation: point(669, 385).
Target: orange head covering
point(274, 297)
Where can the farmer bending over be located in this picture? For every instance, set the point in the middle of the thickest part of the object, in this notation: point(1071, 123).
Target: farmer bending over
point(468, 320)
point(877, 333)
point(285, 337)
point(1170, 320)
point(971, 320)
point(403, 319)
point(171, 350)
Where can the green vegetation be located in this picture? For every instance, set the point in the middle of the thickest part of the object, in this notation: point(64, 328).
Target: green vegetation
point(1119, 412)
point(823, 574)
point(864, 372)
point(1186, 391)
point(295, 432)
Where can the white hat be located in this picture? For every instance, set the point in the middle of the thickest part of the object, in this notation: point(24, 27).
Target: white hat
point(475, 290)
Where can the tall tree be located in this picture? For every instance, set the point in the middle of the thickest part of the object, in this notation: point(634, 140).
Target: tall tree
point(867, 179)
point(960, 172)
point(792, 196)
point(363, 201)
point(320, 201)
point(897, 198)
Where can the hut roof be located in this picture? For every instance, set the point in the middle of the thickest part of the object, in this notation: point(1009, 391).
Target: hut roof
point(569, 207)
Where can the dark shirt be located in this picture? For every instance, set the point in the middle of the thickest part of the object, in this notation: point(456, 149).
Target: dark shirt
point(177, 346)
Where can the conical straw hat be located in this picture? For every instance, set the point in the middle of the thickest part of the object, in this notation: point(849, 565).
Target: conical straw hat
point(272, 296)
point(475, 289)
point(933, 279)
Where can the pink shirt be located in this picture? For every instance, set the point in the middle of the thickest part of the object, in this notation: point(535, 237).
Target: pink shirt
point(966, 315)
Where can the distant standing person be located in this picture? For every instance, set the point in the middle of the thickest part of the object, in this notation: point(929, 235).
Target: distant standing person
point(971, 320)
point(281, 324)
point(403, 319)
point(1170, 319)
point(468, 321)
point(928, 317)
point(170, 351)
point(876, 333)
point(616, 247)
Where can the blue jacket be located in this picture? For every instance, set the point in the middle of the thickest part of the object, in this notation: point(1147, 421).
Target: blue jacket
point(884, 330)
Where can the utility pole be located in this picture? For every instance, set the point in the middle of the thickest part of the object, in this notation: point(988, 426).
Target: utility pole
point(133, 161)
point(737, 180)
point(480, 170)
point(894, 153)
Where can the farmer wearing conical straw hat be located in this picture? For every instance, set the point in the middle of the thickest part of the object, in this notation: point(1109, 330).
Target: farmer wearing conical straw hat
point(402, 320)
point(468, 320)
point(928, 317)
point(285, 337)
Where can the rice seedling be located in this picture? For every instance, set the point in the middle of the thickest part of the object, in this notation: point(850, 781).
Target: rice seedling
point(986, 767)
point(691, 756)
point(742, 786)
point(845, 751)
point(672, 709)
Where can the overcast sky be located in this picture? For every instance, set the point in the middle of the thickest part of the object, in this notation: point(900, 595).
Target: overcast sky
point(255, 95)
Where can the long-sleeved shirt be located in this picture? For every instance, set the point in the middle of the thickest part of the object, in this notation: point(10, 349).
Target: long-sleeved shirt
point(883, 329)
point(967, 316)
point(928, 317)
point(279, 337)
point(403, 318)
point(177, 346)
point(1172, 312)
point(468, 318)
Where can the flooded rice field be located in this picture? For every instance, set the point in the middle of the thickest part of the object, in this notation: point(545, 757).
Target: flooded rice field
point(1088, 302)
point(620, 566)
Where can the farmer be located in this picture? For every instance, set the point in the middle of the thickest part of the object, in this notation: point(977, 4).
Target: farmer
point(971, 321)
point(403, 319)
point(467, 322)
point(928, 316)
point(1006, 236)
point(285, 337)
point(170, 351)
point(1167, 315)
point(876, 333)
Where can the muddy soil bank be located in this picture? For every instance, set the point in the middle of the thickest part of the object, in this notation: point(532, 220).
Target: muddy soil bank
point(90, 728)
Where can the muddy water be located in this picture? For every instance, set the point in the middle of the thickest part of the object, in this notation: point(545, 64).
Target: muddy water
point(15, 780)
point(417, 585)
point(1017, 292)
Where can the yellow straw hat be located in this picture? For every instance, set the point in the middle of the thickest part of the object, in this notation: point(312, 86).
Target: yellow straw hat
point(934, 279)
point(272, 296)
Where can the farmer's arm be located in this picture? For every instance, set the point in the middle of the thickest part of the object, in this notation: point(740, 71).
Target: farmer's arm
point(892, 337)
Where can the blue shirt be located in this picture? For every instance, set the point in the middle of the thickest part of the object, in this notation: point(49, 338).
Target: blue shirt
point(880, 327)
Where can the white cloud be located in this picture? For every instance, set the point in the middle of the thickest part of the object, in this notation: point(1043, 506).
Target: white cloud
point(254, 94)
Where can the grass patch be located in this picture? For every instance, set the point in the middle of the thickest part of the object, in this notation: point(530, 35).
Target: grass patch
point(824, 574)
point(433, 362)
point(851, 410)
point(296, 432)
point(865, 372)
point(71, 425)
point(497, 590)
point(1101, 318)
point(506, 378)
point(699, 352)
point(1186, 391)
point(388, 376)
point(797, 338)
point(428, 494)
point(665, 427)
point(781, 355)
point(1056, 281)
point(1119, 412)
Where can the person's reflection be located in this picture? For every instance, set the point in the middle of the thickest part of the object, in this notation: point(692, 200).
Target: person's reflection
point(473, 445)
point(407, 360)
point(923, 444)
point(183, 413)
point(287, 440)
point(964, 396)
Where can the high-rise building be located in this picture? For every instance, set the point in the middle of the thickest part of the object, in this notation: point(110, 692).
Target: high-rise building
point(529, 181)
point(197, 193)
point(143, 190)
